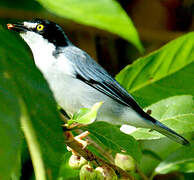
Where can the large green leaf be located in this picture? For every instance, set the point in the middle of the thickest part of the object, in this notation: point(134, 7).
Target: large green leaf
point(114, 139)
point(16, 174)
point(39, 117)
point(175, 112)
point(103, 14)
point(164, 73)
point(181, 160)
point(21, 4)
point(10, 140)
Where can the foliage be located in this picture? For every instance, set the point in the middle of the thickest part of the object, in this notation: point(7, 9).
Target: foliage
point(161, 82)
point(176, 112)
point(111, 17)
point(24, 93)
point(164, 73)
point(85, 115)
point(108, 135)
point(181, 160)
point(72, 173)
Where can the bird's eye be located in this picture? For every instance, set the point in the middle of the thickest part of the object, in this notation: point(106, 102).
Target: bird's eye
point(40, 27)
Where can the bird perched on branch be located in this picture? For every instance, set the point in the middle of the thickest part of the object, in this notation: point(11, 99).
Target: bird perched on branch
point(77, 81)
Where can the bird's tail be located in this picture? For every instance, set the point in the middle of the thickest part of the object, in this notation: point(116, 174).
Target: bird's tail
point(170, 133)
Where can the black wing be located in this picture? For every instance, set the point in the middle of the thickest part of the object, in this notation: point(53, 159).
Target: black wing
point(93, 74)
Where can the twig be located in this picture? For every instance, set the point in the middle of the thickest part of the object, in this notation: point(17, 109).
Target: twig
point(71, 142)
point(83, 135)
point(102, 151)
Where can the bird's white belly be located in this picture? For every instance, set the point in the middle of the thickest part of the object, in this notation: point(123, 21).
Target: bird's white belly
point(72, 94)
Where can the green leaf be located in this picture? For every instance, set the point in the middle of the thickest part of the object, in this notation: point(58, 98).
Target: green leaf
point(20, 5)
point(85, 115)
point(104, 14)
point(40, 120)
point(164, 73)
point(181, 160)
point(16, 173)
point(176, 112)
point(66, 172)
point(152, 154)
point(10, 140)
point(114, 139)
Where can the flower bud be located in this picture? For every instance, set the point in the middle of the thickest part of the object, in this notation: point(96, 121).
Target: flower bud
point(87, 173)
point(105, 173)
point(125, 162)
point(76, 162)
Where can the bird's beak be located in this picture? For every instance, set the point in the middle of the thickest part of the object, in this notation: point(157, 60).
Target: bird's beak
point(17, 27)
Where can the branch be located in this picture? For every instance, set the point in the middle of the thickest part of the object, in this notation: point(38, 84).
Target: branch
point(102, 151)
point(71, 142)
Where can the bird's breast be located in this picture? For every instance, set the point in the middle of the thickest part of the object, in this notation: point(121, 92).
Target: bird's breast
point(73, 94)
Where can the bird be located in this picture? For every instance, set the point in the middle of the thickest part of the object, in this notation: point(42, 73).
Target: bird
point(78, 81)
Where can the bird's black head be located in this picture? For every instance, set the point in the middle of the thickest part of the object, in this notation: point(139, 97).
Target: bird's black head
point(47, 29)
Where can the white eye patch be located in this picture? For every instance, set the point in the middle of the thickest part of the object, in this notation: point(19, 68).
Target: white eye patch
point(30, 25)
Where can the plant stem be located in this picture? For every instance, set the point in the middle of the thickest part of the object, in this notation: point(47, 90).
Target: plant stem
point(102, 151)
point(71, 142)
